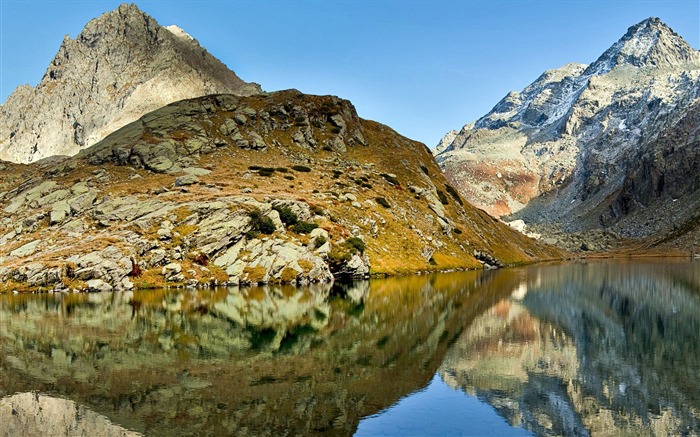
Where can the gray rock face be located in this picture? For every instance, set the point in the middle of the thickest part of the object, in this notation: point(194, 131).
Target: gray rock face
point(561, 150)
point(121, 66)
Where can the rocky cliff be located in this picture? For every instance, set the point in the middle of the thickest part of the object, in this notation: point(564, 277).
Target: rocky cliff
point(279, 187)
point(589, 147)
point(121, 66)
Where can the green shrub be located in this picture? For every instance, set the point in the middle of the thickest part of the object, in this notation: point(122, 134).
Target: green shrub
point(356, 243)
point(282, 169)
point(288, 217)
point(304, 227)
point(336, 174)
point(289, 177)
point(382, 201)
point(316, 210)
point(267, 172)
point(442, 197)
point(425, 169)
point(254, 167)
point(320, 241)
point(301, 168)
point(450, 189)
point(457, 231)
point(260, 224)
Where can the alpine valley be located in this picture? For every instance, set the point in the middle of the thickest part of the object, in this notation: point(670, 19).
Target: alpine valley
point(177, 172)
point(594, 157)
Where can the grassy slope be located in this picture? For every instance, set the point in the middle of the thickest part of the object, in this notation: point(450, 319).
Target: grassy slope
point(396, 237)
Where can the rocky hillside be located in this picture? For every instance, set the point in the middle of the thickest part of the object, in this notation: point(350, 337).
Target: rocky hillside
point(600, 146)
point(121, 66)
point(279, 187)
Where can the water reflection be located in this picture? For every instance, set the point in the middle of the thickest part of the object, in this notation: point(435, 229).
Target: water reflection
point(598, 348)
point(601, 349)
point(34, 414)
point(258, 361)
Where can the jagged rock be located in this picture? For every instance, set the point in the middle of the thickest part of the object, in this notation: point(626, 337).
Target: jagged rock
point(173, 272)
point(591, 146)
point(26, 250)
point(59, 212)
point(125, 57)
point(98, 285)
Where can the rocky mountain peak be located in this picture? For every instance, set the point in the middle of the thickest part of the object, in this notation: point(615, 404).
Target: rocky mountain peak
point(558, 151)
point(121, 66)
point(650, 43)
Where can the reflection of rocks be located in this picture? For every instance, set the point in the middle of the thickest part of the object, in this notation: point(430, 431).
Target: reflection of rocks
point(267, 360)
point(33, 414)
point(601, 349)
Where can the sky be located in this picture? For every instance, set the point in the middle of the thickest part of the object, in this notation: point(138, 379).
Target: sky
point(423, 67)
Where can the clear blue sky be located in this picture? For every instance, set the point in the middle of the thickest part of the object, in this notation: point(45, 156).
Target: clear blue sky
point(421, 67)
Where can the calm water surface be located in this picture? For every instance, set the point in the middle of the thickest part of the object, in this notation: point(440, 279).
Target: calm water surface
point(605, 348)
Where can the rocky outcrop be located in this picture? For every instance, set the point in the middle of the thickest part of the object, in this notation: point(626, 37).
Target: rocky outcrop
point(121, 66)
point(220, 190)
point(586, 147)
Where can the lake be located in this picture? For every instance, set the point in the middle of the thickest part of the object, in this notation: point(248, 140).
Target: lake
point(586, 348)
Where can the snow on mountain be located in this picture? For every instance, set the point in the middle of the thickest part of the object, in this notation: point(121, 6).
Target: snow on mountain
point(560, 150)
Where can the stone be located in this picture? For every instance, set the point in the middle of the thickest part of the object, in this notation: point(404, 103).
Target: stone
point(183, 181)
point(172, 272)
point(98, 285)
point(27, 250)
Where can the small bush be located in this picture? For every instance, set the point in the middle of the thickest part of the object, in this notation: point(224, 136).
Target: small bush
point(336, 174)
point(425, 169)
point(442, 197)
point(457, 231)
point(260, 224)
point(301, 168)
point(289, 177)
point(288, 217)
point(267, 172)
point(282, 169)
point(382, 201)
point(254, 167)
point(320, 241)
point(356, 243)
point(304, 227)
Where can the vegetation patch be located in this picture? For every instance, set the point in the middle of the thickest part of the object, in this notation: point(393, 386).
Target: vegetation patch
point(288, 217)
point(288, 275)
point(303, 227)
point(254, 275)
point(259, 224)
point(356, 244)
point(319, 241)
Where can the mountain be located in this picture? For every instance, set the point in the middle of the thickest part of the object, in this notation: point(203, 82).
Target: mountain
point(608, 145)
point(121, 66)
point(272, 188)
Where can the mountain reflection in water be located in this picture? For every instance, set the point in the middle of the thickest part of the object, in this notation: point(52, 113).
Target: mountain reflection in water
point(596, 348)
point(589, 349)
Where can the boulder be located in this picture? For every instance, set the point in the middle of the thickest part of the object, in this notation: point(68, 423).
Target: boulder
point(98, 285)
